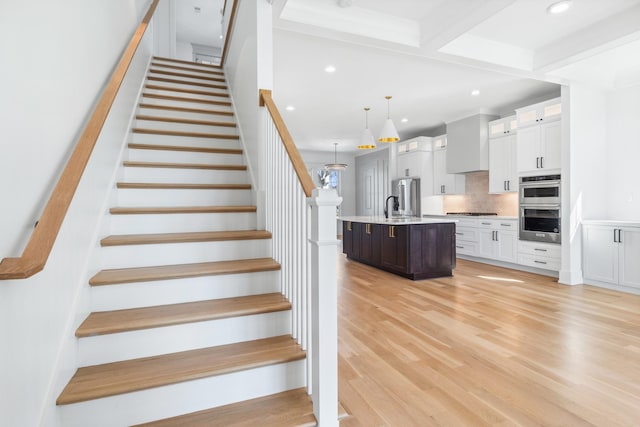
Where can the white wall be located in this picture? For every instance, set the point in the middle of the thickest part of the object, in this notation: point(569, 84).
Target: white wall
point(584, 154)
point(184, 51)
point(317, 159)
point(623, 151)
point(57, 57)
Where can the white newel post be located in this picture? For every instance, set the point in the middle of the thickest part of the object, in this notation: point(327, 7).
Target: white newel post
point(324, 345)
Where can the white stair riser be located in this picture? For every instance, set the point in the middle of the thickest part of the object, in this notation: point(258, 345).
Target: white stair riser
point(214, 87)
point(171, 339)
point(208, 94)
point(157, 112)
point(185, 127)
point(196, 71)
point(185, 141)
point(176, 223)
point(182, 197)
point(175, 291)
point(185, 104)
point(182, 253)
point(184, 176)
point(177, 399)
point(170, 156)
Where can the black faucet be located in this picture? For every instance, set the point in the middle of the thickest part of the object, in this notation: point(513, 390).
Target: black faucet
point(396, 205)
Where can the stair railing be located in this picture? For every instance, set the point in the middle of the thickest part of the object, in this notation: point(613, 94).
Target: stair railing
point(35, 255)
point(302, 220)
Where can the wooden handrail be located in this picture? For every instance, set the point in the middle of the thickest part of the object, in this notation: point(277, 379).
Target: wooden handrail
point(35, 255)
point(266, 100)
point(227, 38)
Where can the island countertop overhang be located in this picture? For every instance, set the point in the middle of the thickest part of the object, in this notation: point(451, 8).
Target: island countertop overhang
point(395, 221)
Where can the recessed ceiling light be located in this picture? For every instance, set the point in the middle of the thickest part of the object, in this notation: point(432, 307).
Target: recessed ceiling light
point(196, 9)
point(290, 108)
point(559, 7)
point(475, 92)
point(404, 120)
point(330, 69)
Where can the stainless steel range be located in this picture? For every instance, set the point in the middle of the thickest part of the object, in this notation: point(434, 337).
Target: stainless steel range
point(540, 214)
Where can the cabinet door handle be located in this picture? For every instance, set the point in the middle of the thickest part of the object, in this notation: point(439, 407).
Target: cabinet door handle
point(367, 228)
point(392, 230)
point(509, 185)
point(504, 185)
point(541, 164)
point(496, 235)
point(486, 223)
point(349, 226)
point(506, 225)
point(539, 262)
point(459, 247)
point(537, 162)
point(459, 234)
point(540, 250)
point(619, 236)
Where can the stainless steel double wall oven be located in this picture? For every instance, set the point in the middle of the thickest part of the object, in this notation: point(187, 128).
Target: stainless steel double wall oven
point(540, 208)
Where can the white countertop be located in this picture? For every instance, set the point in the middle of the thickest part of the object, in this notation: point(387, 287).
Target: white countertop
point(396, 221)
point(612, 222)
point(472, 216)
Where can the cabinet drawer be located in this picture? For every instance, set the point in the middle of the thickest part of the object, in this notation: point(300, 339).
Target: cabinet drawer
point(497, 224)
point(539, 261)
point(466, 222)
point(466, 248)
point(466, 234)
point(539, 249)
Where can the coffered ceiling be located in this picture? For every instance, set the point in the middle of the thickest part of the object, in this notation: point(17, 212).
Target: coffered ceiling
point(430, 54)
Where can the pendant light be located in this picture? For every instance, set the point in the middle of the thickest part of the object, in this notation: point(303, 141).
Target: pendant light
point(366, 140)
point(389, 132)
point(335, 166)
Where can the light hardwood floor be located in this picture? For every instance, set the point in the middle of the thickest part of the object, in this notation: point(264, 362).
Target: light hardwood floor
point(489, 346)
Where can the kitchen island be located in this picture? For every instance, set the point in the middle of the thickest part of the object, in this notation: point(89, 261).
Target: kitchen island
point(416, 248)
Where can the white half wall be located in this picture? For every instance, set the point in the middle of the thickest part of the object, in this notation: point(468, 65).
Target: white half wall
point(248, 68)
point(57, 62)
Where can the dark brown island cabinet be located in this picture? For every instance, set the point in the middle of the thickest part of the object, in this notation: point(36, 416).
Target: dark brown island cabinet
point(415, 251)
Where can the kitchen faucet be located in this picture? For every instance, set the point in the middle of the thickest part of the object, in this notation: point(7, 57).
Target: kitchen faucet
point(396, 205)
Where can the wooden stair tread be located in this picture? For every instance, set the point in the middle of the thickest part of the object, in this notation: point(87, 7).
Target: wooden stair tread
point(94, 382)
point(185, 121)
point(168, 186)
point(181, 271)
point(210, 150)
point(292, 408)
point(177, 67)
point(183, 133)
point(188, 76)
point(186, 109)
point(191, 91)
point(134, 210)
point(186, 82)
point(185, 99)
point(136, 164)
point(111, 322)
point(198, 236)
point(182, 61)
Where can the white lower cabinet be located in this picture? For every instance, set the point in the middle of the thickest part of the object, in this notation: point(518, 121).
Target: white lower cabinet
point(611, 254)
point(498, 239)
point(466, 237)
point(539, 255)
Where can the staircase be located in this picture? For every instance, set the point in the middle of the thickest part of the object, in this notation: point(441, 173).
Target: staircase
point(188, 323)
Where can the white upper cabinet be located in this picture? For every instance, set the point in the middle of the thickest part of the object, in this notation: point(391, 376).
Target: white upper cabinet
point(542, 112)
point(538, 148)
point(503, 172)
point(539, 137)
point(443, 182)
point(503, 127)
point(415, 159)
